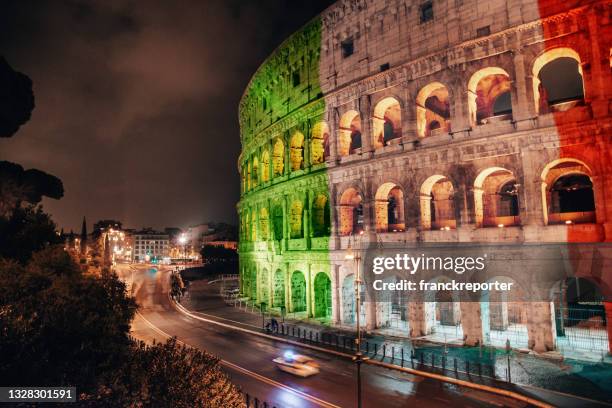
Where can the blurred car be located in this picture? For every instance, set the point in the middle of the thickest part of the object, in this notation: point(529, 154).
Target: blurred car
point(297, 364)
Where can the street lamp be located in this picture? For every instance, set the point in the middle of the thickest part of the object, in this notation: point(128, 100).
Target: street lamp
point(353, 255)
point(183, 241)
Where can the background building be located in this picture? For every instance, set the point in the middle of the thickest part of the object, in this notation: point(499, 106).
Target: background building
point(404, 123)
point(150, 245)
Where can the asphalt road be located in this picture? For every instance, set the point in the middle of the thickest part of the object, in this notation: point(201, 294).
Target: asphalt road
point(248, 360)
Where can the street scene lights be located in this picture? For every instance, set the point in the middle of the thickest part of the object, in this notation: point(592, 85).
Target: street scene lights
point(183, 241)
point(353, 255)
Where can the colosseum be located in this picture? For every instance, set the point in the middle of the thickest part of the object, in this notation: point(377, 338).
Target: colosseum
point(430, 123)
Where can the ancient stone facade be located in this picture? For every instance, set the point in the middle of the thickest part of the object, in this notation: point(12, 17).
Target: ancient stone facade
point(429, 122)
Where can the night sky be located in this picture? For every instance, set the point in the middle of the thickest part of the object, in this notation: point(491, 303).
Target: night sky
point(136, 101)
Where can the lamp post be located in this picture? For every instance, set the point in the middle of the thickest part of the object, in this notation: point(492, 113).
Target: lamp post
point(358, 358)
point(183, 241)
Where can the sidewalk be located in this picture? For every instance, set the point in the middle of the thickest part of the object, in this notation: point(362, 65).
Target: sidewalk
point(485, 365)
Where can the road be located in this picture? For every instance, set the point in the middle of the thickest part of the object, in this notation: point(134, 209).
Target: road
point(248, 360)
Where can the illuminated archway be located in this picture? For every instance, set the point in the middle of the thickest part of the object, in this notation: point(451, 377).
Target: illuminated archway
point(387, 122)
point(351, 212)
point(489, 96)
point(349, 134)
point(389, 208)
point(557, 80)
point(296, 154)
point(437, 204)
point(322, 295)
point(278, 158)
point(496, 198)
point(320, 216)
point(319, 150)
point(567, 192)
point(265, 166)
point(295, 219)
point(298, 292)
point(432, 109)
point(255, 172)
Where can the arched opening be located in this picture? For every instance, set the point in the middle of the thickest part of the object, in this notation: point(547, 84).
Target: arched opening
point(298, 292)
point(320, 216)
point(349, 134)
point(387, 122)
point(433, 110)
point(392, 310)
point(295, 220)
point(437, 204)
point(568, 192)
point(442, 314)
point(489, 98)
point(278, 158)
point(277, 222)
point(265, 166)
point(557, 81)
point(496, 198)
point(319, 150)
point(296, 155)
point(389, 208)
point(351, 212)
point(580, 317)
point(279, 289)
point(504, 316)
point(255, 172)
point(348, 301)
point(323, 295)
point(263, 224)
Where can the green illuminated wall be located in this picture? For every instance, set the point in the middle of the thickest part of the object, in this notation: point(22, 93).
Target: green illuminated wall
point(284, 208)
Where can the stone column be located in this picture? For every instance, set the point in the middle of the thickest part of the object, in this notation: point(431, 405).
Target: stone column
point(598, 81)
point(608, 309)
point(335, 274)
point(333, 136)
point(520, 104)
point(416, 316)
point(287, 272)
point(365, 113)
point(540, 327)
point(286, 231)
point(471, 322)
point(309, 294)
point(409, 122)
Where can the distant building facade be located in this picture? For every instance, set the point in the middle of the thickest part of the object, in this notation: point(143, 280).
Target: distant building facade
point(150, 245)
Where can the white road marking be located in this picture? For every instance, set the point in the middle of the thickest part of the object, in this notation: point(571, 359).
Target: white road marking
point(251, 374)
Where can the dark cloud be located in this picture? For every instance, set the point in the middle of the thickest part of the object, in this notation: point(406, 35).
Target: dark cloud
point(136, 102)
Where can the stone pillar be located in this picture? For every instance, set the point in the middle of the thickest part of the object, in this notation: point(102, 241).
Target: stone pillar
point(540, 327)
point(520, 104)
point(335, 281)
point(287, 272)
point(368, 216)
point(409, 122)
point(608, 309)
point(286, 232)
point(471, 322)
point(334, 129)
point(416, 316)
point(365, 112)
point(598, 81)
point(306, 148)
point(309, 292)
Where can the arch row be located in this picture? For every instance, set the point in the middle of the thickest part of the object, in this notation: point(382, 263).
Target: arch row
point(490, 95)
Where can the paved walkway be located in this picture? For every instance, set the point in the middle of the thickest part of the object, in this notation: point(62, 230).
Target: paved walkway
point(483, 365)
